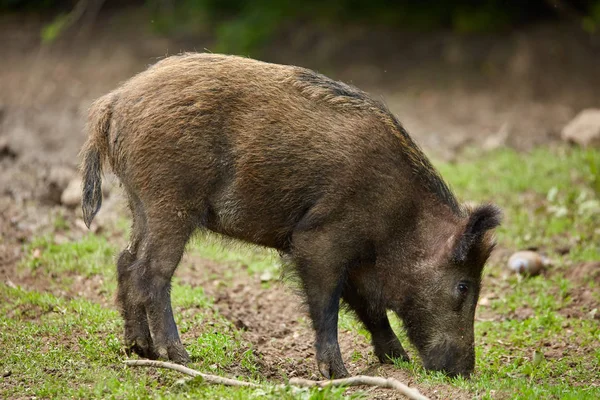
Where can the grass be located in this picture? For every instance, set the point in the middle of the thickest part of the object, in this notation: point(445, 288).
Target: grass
point(254, 259)
point(70, 347)
point(549, 197)
point(533, 339)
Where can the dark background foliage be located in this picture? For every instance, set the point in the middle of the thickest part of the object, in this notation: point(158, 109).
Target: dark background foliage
point(241, 26)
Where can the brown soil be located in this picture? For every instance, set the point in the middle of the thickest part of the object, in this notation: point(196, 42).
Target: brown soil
point(450, 92)
point(585, 272)
point(273, 319)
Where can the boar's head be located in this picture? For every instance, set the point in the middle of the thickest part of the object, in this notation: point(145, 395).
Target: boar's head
point(438, 295)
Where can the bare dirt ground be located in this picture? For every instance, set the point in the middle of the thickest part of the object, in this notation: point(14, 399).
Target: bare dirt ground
point(449, 91)
point(273, 318)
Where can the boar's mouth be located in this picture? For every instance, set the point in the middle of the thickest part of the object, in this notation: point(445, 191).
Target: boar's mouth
point(451, 359)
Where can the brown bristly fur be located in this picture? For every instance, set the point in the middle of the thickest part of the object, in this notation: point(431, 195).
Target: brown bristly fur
point(283, 157)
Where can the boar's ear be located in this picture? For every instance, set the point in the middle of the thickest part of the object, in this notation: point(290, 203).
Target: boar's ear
point(481, 220)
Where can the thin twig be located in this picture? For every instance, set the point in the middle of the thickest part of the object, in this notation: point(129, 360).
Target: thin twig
point(191, 372)
point(360, 380)
point(363, 380)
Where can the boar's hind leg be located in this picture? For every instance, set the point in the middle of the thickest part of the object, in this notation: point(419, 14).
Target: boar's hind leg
point(385, 342)
point(137, 332)
point(321, 267)
point(162, 249)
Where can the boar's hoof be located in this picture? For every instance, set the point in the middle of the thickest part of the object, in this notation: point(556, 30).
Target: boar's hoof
point(332, 370)
point(140, 347)
point(173, 352)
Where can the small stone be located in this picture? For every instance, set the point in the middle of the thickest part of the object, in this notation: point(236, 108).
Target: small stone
point(266, 276)
point(56, 181)
point(484, 301)
point(6, 374)
point(81, 225)
point(527, 263)
point(584, 129)
point(71, 196)
point(37, 253)
point(497, 140)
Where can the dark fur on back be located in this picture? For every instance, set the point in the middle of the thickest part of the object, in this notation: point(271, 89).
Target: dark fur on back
point(332, 89)
point(347, 97)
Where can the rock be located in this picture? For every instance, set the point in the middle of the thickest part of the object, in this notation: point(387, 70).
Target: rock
point(60, 176)
point(266, 276)
point(71, 196)
point(81, 225)
point(584, 129)
point(527, 263)
point(56, 181)
point(497, 140)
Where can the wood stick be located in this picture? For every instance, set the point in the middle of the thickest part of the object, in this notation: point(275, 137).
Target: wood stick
point(363, 380)
point(191, 372)
point(360, 380)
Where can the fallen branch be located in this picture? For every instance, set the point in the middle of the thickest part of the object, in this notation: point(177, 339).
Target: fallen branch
point(360, 380)
point(363, 380)
point(188, 371)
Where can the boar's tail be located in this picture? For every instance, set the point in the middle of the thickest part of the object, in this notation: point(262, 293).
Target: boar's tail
point(93, 154)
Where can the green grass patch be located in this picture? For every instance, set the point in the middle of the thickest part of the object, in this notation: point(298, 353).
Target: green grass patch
point(61, 347)
point(58, 348)
point(91, 255)
point(550, 197)
point(234, 254)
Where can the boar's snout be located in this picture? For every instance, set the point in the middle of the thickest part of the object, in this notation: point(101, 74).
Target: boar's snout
point(451, 359)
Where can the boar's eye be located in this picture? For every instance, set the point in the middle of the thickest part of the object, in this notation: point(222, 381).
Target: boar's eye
point(463, 288)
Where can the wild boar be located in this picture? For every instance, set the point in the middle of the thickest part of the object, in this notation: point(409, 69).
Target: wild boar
point(287, 158)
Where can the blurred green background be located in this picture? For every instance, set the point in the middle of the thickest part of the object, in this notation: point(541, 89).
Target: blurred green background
point(244, 26)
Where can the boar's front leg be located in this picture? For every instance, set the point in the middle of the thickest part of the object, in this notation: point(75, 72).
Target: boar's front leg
point(321, 266)
point(374, 317)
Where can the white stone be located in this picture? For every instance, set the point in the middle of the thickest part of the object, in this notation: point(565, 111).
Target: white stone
point(528, 263)
point(584, 129)
point(71, 196)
